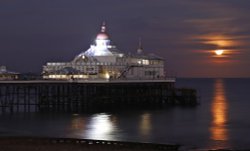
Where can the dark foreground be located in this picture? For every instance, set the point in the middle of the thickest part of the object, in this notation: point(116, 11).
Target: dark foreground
point(69, 144)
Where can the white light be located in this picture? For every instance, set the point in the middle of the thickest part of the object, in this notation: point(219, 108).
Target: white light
point(107, 76)
point(100, 127)
point(145, 62)
point(219, 52)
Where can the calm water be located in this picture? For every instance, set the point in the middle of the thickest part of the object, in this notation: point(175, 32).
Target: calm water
point(222, 120)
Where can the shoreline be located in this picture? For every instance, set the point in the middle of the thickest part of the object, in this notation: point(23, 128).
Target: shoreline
point(68, 144)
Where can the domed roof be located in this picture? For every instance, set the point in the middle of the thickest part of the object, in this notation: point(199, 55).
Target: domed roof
point(102, 35)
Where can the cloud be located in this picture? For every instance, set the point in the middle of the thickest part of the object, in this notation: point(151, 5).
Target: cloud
point(178, 30)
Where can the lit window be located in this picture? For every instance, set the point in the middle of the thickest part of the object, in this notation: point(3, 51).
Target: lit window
point(145, 62)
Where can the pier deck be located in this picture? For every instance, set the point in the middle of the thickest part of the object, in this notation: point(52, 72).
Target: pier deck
point(83, 96)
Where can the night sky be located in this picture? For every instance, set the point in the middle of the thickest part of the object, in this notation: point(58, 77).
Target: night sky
point(184, 32)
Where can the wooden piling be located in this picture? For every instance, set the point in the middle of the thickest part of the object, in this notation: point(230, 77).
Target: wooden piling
point(88, 96)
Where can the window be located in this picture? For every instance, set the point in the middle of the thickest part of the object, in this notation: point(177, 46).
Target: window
point(145, 62)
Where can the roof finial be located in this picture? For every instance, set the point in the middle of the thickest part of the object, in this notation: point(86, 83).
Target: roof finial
point(103, 28)
point(140, 49)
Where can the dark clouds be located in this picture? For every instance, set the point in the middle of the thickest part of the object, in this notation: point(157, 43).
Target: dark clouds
point(33, 32)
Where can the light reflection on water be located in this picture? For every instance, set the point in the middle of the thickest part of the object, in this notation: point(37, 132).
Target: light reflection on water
point(101, 126)
point(145, 125)
point(219, 111)
point(219, 121)
point(77, 126)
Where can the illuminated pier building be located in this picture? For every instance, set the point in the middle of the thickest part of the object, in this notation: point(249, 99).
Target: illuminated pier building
point(104, 61)
point(7, 75)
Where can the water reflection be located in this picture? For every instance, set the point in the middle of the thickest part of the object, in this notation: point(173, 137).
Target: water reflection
point(77, 123)
point(145, 124)
point(77, 126)
point(101, 126)
point(219, 111)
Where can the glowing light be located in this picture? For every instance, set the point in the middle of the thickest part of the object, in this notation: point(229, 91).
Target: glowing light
point(219, 113)
point(145, 124)
point(145, 62)
point(217, 40)
point(77, 124)
point(107, 76)
point(55, 76)
point(101, 127)
point(219, 52)
point(227, 45)
point(102, 36)
point(102, 43)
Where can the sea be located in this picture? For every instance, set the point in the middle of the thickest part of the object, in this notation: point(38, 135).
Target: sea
point(220, 121)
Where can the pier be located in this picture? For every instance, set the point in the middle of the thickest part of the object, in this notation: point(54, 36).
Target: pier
point(88, 96)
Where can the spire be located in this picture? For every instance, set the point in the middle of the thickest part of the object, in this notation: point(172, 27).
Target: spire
point(140, 49)
point(103, 28)
point(102, 35)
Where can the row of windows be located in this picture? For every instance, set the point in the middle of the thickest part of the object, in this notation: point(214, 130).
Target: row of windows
point(66, 76)
point(149, 62)
point(4, 76)
point(119, 62)
point(87, 63)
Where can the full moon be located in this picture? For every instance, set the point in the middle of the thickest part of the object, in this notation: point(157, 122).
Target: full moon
point(219, 52)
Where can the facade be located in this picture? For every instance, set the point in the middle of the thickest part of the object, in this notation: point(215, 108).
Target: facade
point(104, 61)
point(7, 75)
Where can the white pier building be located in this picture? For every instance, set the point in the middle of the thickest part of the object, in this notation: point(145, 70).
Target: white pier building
point(104, 61)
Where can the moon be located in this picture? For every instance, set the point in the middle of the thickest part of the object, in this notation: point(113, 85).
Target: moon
point(219, 52)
